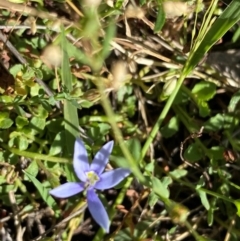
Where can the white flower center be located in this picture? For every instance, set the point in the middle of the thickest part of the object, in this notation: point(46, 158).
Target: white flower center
point(92, 178)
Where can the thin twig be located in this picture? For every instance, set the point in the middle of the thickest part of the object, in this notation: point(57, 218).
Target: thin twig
point(80, 210)
point(32, 11)
point(5, 236)
point(17, 219)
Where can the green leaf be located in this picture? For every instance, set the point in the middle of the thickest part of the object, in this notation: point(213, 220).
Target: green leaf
point(120, 161)
point(21, 122)
point(178, 173)
point(224, 22)
point(221, 121)
point(159, 188)
point(160, 18)
point(5, 123)
point(123, 92)
point(70, 111)
point(4, 115)
point(2, 180)
point(55, 125)
point(193, 153)
point(22, 142)
point(72, 51)
point(34, 90)
point(6, 99)
point(204, 199)
point(211, 211)
point(210, 217)
point(38, 73)
point(126, 234)
point(18, 197)
point(204, 90)
point(149, 167)
point(135, 147)
point(37, 124)
point(42, 191)
point(171, 128)
point(109, 35)
point(28, 74)
point(166, 181)
point(118, 4)
point(237, 204)
point(85, 104)
point(71, 123)
point(57, 144)
point(181, 97)
point(5, 189)
point(104, 128)
point(152, 199)
point(20, 111)
point(32, 169)
point(40, 112)
point(234, 101)
point(204, 109)
point(168, 89)
point(130, 106)
point(117, 157)
point(215, 123)
point(216, 152)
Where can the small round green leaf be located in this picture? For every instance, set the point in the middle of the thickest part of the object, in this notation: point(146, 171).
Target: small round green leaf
point(5, 123)
point(170, 128)
point(204, 90)
point(193, 153)
point(21, 121)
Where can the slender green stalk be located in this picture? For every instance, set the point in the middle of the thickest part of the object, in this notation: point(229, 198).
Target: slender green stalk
point(193, 232)
point(33, 155)
point(119, 200)
point(206, 38)
point(217, 195)
point(225, 223)
point(118, 135)
point(162, 116)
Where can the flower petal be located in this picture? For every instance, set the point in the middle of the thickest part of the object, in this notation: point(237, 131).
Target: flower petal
point(67, 190)
point(101, 158)
point(97, 210)
point(111, 178)
point(80, 160)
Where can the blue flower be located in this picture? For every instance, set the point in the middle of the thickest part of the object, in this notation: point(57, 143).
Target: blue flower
point(92, 177)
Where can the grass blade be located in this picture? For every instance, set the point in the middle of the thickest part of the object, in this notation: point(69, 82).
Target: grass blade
point(69, 110)
point(226, 20)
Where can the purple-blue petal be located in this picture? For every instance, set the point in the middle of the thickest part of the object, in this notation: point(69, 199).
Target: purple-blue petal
point(111, 178)
point(80, 160)
point(101, 158)
point(67, 190)
point(97, 210)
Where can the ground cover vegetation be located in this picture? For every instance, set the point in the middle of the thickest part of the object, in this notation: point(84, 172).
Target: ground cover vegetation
point(119, 120)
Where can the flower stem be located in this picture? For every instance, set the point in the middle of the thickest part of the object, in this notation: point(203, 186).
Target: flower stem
point(118, 135)
point(111, 213)
point(162, 116)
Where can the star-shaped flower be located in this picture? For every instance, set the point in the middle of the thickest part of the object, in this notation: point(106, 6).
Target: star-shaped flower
point(92, 177)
